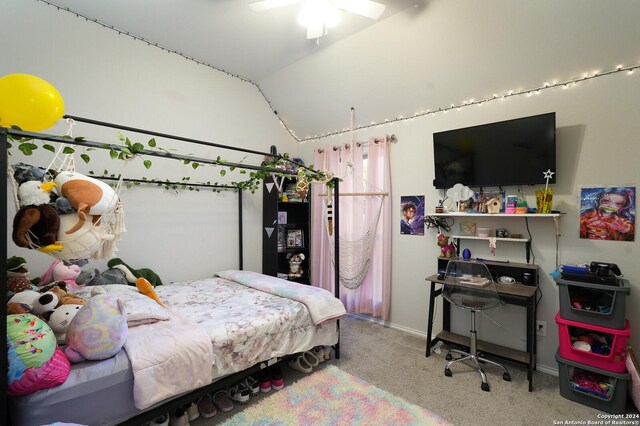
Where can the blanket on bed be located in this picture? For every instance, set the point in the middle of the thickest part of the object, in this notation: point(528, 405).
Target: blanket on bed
point(168, 358)
point(169, 354)
point(322, 305)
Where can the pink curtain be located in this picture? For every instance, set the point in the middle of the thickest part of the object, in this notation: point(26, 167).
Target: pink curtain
point(373, 295)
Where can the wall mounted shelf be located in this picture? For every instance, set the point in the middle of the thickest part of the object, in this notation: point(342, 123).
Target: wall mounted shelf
point(526, 241)
point(554, 216)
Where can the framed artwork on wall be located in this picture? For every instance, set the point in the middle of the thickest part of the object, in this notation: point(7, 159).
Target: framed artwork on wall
point(282, 218)
point(295, 238)
point(412, 215)
point(608, 213)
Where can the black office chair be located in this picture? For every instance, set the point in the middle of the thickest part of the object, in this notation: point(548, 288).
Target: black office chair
point(469, 285)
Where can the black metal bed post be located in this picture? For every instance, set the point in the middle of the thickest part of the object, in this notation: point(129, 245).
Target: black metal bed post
point(241, 266)
point(336, 254)
point(4, 412)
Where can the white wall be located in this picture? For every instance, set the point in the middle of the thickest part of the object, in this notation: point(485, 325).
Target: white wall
point(598, 143)
point(114, 78)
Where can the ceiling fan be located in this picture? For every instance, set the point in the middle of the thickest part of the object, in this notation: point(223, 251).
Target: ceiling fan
point(318, 15)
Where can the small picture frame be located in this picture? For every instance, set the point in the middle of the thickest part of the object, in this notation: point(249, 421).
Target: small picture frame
point(282, 218)
point(295, 238)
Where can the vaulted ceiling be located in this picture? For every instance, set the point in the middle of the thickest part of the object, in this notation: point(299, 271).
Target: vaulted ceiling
point(420, 54)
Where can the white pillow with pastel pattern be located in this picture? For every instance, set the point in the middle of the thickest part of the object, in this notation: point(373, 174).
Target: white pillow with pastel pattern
point(138, 308)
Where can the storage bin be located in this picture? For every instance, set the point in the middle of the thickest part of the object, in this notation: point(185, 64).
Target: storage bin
point(597, 304)
point(592, 386)
point(606, 348)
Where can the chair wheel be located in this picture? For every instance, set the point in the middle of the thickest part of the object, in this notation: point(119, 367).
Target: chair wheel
point(485, 387)
point(448, 357)
point(506, 376)
point(447, 372)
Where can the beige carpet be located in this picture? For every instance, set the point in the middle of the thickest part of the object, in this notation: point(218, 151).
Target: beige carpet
point(394, 361)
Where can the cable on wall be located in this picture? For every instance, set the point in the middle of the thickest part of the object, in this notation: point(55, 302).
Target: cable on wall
point(467, 103)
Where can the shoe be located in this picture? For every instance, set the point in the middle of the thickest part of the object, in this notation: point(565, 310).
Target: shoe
point(310, 358)
point(277, 381)
point(162, 420)
point(252, 384)
point(299, 363)
point(192, 411)
point(319, 352)
point(206, 407)
point(265, 382)
point(179, 417)
point(239, 393)
point(222, 401)
point(327, 353)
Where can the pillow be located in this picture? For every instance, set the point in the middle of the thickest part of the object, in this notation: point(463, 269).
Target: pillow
point(138, 308)
point(98, 331)
point(35, 361)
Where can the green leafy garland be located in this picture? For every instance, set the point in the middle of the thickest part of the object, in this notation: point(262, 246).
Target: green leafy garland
point(129, 150)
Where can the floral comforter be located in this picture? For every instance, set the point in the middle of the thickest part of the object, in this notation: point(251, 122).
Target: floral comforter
point(246, 325)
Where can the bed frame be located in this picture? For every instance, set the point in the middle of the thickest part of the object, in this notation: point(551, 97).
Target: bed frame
point(181, 400)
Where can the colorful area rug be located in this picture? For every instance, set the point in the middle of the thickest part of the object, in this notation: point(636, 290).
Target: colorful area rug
point(333, 397)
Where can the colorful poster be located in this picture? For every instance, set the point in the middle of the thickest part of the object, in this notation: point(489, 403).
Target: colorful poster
point(608, 213)
point(412, 214)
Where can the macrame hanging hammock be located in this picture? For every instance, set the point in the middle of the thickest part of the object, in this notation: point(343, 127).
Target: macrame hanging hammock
point(81, 235)
point(355, 254)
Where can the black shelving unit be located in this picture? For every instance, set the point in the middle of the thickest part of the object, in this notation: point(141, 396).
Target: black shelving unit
point(286, 231)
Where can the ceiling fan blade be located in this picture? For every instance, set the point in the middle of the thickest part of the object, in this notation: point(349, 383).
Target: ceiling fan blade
point(368, 8)
point(262, 5)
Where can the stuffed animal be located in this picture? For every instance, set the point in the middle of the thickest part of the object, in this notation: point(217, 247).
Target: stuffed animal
point(295, 264)
point(87, 195)
point(82, 243)
point(146, 288)
point(18, 276)
point(35, 361)
point(18, 308)
point(91, 277)
point(47, 302)
point(446, 249)
point(23, 172)
point(60, 318)
point(65, 298)
point(22, 302)
point(52, 299)
point(36, 218)
point(98, 330)
point(60, 271)
point(133, 274)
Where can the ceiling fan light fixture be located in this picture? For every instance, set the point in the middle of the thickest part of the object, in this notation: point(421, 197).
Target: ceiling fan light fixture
point(318, 13)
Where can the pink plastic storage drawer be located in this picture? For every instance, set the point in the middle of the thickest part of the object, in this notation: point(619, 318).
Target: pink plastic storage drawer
point(601, 347)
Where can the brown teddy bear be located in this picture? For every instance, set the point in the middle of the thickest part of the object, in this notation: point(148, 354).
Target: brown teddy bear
point(446, 249)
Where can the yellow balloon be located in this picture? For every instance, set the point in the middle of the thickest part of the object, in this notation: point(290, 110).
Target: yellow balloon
point(29, 102)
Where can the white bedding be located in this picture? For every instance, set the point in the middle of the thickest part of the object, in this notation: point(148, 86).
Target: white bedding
point(169, 354)
point(245, 325)
point(214, 327)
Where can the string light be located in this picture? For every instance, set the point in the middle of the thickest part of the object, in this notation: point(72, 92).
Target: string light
point(537, 90)
point(619, 68)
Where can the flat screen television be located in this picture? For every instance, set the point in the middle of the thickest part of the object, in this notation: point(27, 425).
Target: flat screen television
point(512, 152)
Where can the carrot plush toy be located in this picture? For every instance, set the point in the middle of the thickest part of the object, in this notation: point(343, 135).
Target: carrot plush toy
point(146, 288)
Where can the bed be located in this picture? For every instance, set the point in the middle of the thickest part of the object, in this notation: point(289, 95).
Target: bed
point(244, 325)
point(225, 327)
